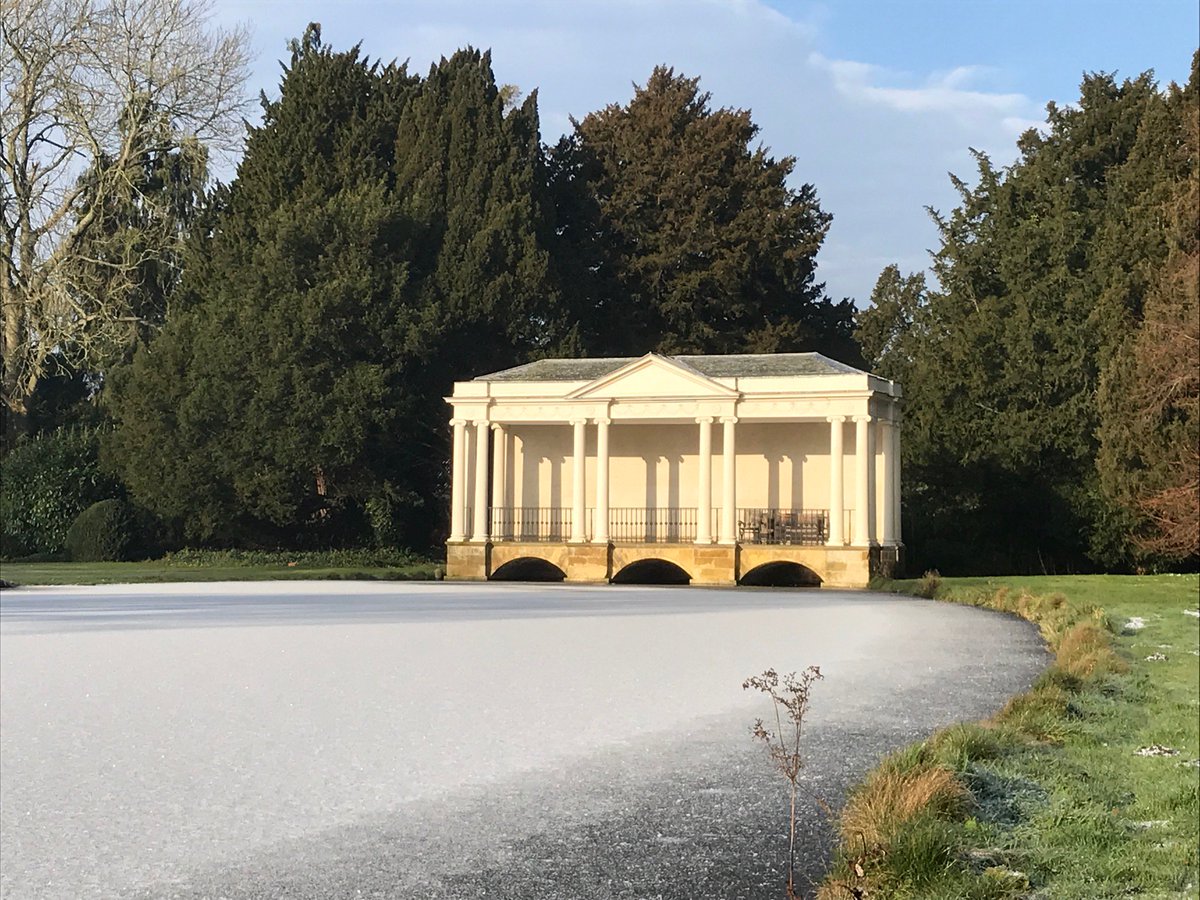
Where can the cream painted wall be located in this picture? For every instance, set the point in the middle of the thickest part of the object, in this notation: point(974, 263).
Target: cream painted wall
point(779, 465)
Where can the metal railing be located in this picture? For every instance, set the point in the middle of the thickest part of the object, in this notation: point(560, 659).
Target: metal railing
point(759, 525)
point(649, 525)
point(635, 524)
point(531, 523)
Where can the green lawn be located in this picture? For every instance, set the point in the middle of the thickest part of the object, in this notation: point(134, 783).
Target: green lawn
point(161, 571)
point(1066, 808)
point(1115, 824)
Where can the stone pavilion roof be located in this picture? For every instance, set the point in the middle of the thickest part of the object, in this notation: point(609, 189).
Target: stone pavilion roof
point(745, 365)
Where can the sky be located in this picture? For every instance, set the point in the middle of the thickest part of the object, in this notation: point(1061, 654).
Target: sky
point(877, 101)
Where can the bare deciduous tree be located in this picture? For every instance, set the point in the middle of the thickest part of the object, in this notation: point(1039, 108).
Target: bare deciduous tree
point(1167, 391)
point(90, 91)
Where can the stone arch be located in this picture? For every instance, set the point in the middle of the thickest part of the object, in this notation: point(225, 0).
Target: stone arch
point(652, 570)
point(528, 568)
point(781, 573)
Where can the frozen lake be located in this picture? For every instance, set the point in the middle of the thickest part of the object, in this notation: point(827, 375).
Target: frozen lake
point(360, 739)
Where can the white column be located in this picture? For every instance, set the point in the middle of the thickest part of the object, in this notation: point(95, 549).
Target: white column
point(458, 480)
point(888, 436)
point(704, 502)
point(578, 484)
point(729, 482)
point(479, 531)
point(864, 483)
point(896, 505)
point(837, 493)
point(501, 518)
point(600, 525)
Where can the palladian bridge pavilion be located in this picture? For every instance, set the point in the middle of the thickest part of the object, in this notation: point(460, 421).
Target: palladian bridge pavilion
point(754, 469)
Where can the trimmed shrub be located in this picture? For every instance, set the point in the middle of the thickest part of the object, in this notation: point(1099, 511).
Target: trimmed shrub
point(47, 481)
point(104, 532)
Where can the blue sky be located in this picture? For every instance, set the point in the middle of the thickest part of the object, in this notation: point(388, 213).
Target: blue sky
point(877, 101)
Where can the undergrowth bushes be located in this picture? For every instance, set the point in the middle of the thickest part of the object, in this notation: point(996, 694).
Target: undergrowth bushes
point(47, 481)
point(370, 558)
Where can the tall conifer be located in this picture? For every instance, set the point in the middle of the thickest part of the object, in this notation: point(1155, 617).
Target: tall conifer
point(1043, 271)
point(676, 234)
point(377, 244)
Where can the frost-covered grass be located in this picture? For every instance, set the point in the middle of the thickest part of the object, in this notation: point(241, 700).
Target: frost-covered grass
point(1087, 786)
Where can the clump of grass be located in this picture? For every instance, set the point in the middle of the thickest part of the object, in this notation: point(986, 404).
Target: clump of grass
point(957, 746)
point(928, 585)
point(893, 796)
point(1086, 652)
point(1039, 714)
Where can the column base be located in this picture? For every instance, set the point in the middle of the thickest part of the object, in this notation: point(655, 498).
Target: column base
point(466, 561)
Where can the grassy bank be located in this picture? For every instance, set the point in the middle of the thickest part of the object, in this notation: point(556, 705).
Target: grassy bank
point(226, 566)
point(1084, 787)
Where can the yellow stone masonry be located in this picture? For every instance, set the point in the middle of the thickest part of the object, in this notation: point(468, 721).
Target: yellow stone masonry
point(705, 564)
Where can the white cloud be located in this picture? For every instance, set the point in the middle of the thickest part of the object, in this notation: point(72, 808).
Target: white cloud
point(946, 92)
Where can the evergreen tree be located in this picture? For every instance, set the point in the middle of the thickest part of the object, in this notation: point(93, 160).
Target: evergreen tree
point(1043, 269)
point(887, 328)
point(467, 171)
point(675, 234)
point(375, 246)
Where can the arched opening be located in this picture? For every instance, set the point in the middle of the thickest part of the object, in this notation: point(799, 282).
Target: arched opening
point(781, 573)
point(652, 571)
point(528, 568)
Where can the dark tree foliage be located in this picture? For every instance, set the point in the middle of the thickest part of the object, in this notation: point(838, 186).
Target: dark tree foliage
point(888, 328)
point(141, 232)
point(675, 234)
point(379, 227)
point(1043, 269)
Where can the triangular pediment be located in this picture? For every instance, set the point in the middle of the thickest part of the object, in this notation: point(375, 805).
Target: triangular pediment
point(650, 377)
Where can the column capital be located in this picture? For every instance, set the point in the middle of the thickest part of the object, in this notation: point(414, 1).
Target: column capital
point(456, 421)
point(865, 418)
point(603, 420)
point(729, 420)
point(496, 426)
point(835, 420)
point(578, 420)
point(704, 420)
point(480, 422)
